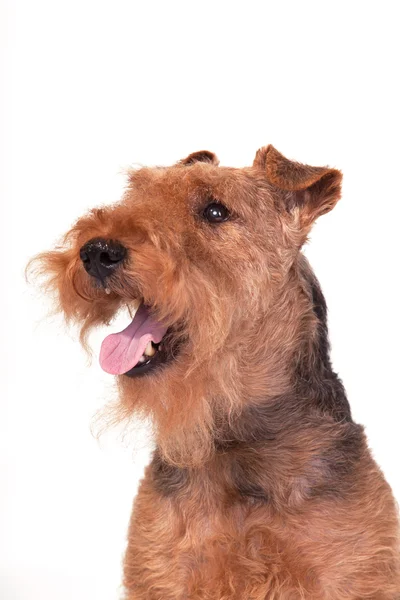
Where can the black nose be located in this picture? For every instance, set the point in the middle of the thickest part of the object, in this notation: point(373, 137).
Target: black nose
point(102, 257)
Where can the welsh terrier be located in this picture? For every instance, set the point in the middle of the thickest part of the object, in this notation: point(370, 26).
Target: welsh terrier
point(261, 486)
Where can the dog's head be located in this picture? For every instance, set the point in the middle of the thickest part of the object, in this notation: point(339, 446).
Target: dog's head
point(202, 254)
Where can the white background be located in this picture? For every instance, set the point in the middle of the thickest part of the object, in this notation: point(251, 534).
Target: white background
point(91, 87)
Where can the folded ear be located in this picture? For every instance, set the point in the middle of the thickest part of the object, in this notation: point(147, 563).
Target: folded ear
point(312, 190)
point(200, 156)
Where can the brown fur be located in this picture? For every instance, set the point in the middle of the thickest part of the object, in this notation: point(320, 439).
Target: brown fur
point(262, 486)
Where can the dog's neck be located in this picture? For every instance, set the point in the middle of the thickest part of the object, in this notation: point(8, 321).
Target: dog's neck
point(296, 368)
point(287, 340)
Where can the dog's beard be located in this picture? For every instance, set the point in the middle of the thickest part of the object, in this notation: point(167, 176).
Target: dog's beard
point(186, 380)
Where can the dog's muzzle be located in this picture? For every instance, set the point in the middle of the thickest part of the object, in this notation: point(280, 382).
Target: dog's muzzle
point(101, 257)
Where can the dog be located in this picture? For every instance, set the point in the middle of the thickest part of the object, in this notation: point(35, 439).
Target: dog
point(261, 485)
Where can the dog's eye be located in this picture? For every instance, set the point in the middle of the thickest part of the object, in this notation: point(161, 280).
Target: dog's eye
point(216, 213)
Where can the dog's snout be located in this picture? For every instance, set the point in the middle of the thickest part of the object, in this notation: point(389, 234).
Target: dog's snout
point(102, 257)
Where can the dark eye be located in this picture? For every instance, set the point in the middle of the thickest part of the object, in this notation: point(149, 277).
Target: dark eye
point(216, 213)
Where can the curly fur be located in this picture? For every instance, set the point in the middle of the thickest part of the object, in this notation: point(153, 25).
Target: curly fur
point(262, 486)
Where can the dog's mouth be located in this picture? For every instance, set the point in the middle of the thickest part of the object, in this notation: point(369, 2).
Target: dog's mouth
point(139, 348)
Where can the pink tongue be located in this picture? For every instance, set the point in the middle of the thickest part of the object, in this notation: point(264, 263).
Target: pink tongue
point(121, 351)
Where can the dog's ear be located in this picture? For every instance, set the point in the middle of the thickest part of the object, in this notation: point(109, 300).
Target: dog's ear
point(200, 156)
point(313, 191)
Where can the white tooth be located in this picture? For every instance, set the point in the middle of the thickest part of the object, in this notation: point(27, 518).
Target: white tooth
point(150, 351)
point(107, 291)
point(142, 359)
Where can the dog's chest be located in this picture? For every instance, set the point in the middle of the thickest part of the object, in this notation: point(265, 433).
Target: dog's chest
point(205, 543)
